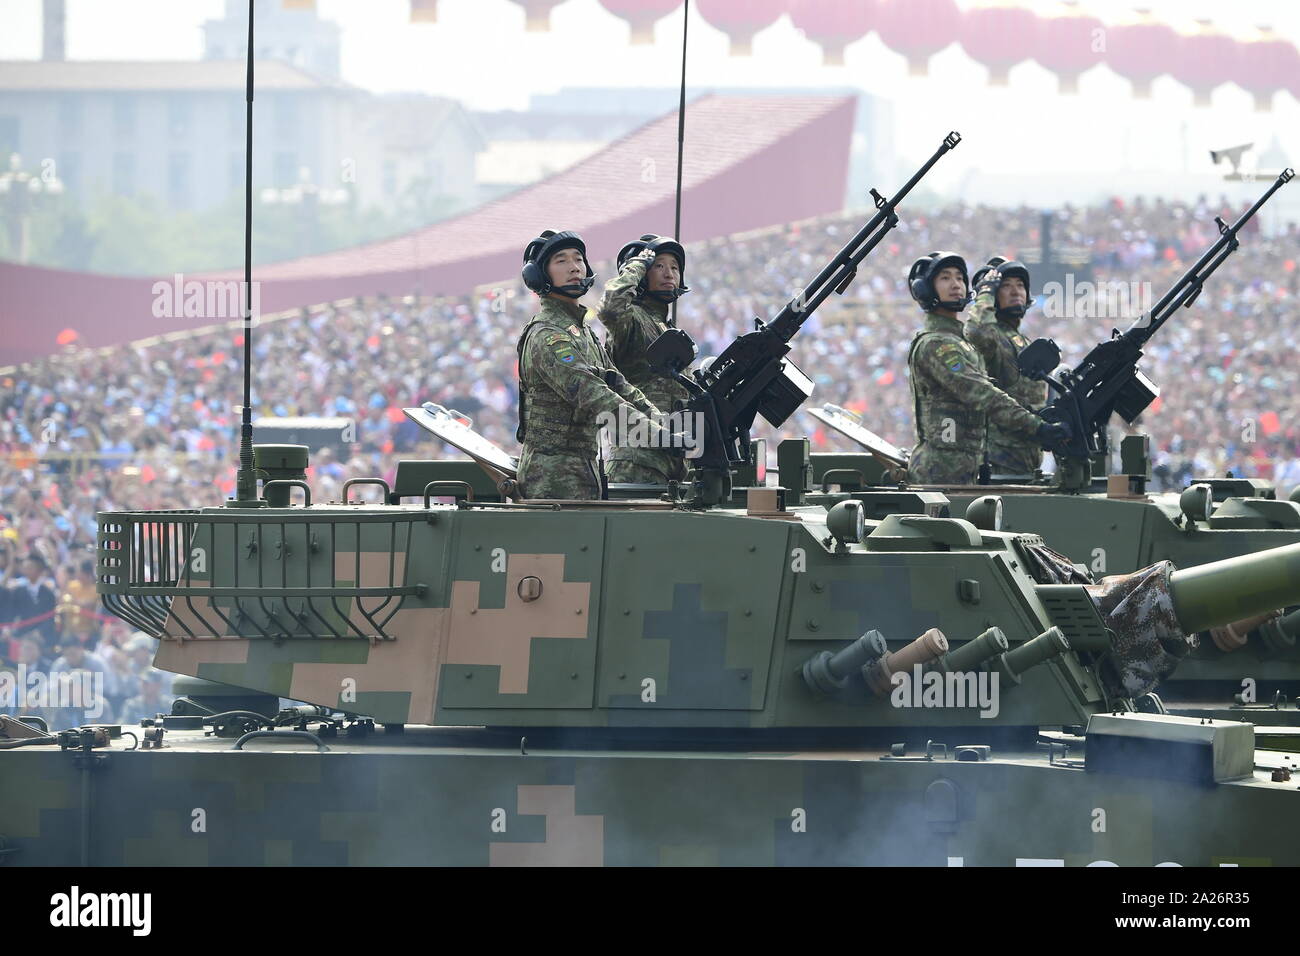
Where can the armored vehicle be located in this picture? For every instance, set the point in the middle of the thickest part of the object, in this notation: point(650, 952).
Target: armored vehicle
point(1108, 522)
point(633, 682)
point(728, 672)
point(1113, 531)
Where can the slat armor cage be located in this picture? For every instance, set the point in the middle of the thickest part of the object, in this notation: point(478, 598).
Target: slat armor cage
point(226, 573)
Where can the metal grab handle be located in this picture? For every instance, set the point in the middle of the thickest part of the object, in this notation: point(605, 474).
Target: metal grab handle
point(367, 481)
point(320, 747)
point(511, 505)
point(292, 482)
point(469, 491)
point(826, 482)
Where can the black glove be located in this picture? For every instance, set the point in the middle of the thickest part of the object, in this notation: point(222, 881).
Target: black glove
point(1054, 434)
point(988, 282)
point(646, 255)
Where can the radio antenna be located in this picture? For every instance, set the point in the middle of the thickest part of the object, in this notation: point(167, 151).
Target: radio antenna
point(246, 480)
point(681, 139)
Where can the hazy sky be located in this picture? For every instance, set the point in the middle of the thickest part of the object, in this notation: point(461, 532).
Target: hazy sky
point(479, 52)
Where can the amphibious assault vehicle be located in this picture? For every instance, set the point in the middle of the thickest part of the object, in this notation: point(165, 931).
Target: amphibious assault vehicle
point(1107, 522)
point(728, 672)
point(1115, 529)
point(632, 682)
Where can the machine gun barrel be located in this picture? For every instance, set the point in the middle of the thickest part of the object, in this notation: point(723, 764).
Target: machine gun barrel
point(745, 360)
point(841, 270)
point(1108, 379)
point(752, 376)
point(1184, 292)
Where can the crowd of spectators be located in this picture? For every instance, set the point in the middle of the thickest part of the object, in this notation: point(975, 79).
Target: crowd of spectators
point(155, 426)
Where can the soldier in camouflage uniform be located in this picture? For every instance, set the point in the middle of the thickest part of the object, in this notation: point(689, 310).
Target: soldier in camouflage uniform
point(634, 309)
point(1001, 298)
point(566, 379)
point(954, 399)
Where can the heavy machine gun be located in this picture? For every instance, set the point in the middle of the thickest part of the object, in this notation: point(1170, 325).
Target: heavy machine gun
point(1108, 379)
point(753, 376)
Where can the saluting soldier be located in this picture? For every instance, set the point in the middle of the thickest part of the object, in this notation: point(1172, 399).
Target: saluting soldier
point(954, 400)
point(566, 379)
point(634, 308)
point(1002, 295)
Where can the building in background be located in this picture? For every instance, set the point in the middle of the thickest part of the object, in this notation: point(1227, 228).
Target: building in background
point(175, 129)
point(298, 37)
point(418, 150)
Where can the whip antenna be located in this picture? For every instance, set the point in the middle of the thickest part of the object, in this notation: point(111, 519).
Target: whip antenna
point(246, 480)
point(681, 139)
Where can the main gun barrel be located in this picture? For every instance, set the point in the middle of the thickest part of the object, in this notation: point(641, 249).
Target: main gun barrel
point(1233, 589)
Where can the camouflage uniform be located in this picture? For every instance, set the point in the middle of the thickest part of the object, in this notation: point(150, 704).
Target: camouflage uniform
point(634, 321)
point(999, 343)
point(954, 402)
point(1146, 639)
point(565, 381)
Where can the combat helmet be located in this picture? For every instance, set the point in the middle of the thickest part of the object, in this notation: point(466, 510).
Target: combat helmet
point(1008, 268)
point(538, 253)
point(920, 281)
point(657, 244)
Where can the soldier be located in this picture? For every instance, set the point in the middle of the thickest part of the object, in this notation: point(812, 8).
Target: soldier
point(954, 399)
point(634, 309)
point(566, 379)
point(1001, 297)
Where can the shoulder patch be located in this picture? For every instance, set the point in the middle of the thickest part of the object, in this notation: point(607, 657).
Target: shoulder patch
point(954, 356)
